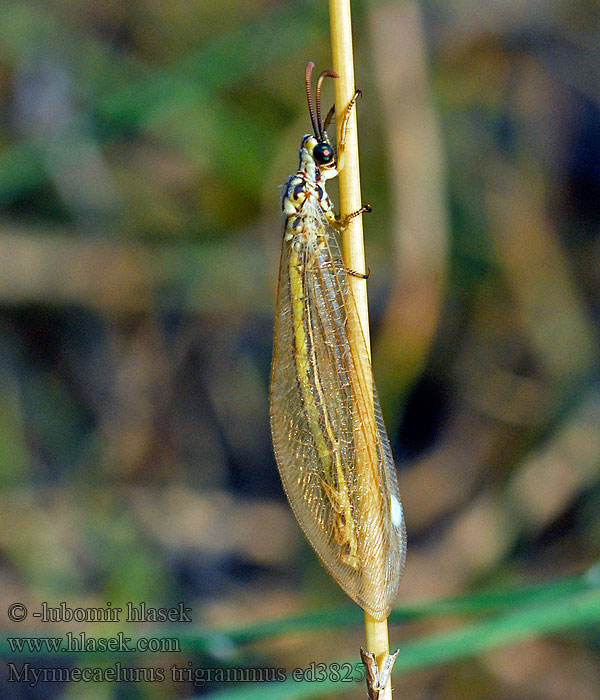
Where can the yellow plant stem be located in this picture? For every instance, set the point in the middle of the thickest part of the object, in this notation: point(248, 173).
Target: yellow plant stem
point(349, 178)
point(377, 640)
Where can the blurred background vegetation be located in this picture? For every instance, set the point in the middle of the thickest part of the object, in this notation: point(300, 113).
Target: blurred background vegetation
point(142, 146)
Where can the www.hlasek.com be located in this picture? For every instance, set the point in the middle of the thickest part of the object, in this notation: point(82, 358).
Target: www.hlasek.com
point(117, 673)
point(81, 642)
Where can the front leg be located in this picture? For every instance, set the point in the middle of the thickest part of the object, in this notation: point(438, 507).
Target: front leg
point(341, 147)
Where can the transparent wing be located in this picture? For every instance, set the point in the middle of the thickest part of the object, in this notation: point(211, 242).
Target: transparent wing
point(330, 441)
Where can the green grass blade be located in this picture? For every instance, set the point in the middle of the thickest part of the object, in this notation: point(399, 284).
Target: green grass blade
point(468, 640)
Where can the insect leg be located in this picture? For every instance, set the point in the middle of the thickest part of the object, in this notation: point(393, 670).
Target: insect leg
point(342, 224)
point(360, 275)
point(341, 147)
point(365, 209)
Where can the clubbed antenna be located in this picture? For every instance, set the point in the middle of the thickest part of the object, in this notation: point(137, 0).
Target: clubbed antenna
point(315, 114)
point(324, 74)
point(309, 66)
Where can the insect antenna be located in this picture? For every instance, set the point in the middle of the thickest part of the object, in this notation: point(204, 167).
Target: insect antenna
point(324, 74)
point(315, 124)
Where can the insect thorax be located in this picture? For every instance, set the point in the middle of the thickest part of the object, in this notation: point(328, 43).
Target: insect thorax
point(305, 202)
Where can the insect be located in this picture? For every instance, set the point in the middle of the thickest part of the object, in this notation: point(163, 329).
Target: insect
point(329, 438)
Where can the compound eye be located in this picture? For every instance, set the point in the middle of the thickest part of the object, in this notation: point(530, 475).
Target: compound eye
point(323, 153)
